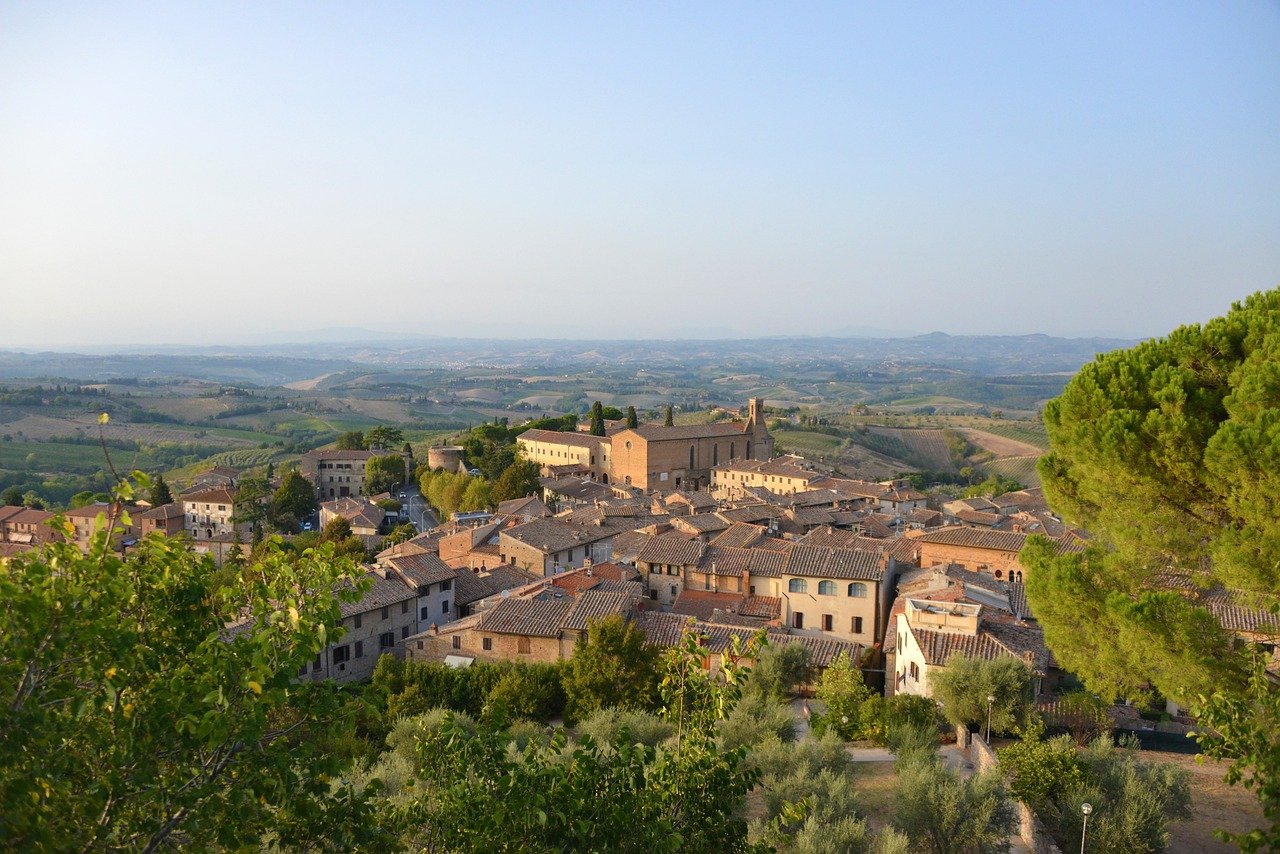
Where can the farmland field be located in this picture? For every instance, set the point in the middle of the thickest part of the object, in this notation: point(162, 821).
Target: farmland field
point(1001, 446)
point(803, 442)
point(1021, 469)
point(928, 448)
point(52, 457)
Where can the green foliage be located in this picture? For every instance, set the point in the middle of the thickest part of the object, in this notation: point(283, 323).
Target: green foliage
point(160, 493)
point(633, 420)
point(529, 691)
point(11, 497)
point(295, 497)
point(383, 437)
point(1041, 770)
point(669, 420)
point(943, 813)
point(996, 484)
point(352, 441)
point(815, 773)
point(133, 719)
point(612, 666)
point(780, 668)
point(607, 725)
point(755, 718)
point(843, 692)
point(383, 473)
point(1133, 801)
point(337, 532)
point(518, 480)
point(251, 503)
point(963, 686)
point(597, 419)
point(1084, 715)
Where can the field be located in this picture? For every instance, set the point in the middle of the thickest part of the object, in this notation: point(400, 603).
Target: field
point(803, 442)
point(928, 449)
point(1021, 469)
point(1214, 805)
point(53, 457)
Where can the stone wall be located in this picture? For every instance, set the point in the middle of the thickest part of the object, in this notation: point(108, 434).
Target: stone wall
point(1030, 829)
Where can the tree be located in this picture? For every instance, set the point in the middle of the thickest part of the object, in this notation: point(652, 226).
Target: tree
point(133, 719)
point(670, 420)
point(780, 668)
point(612, 667)
point(519, 480)
point(11, 497)
point(843, 692)
point(400, 533)
point(337, 532)
point(295, 496)
point(477, 496)
point(80, 499)
point(352, 441)
point(251, 503)
point(597, 419)
point(1166, 453)
point(160, 493)
point(963, 686)
point(382, 437)
point(944, 814)
point(633, 420)
point(383, 473)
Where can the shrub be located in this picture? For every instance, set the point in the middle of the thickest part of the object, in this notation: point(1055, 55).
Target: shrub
point(779, 668)
point(755, 718)
point(843, 692)
point(964, 685)
point(531, 691)
point(943, 813)
point(606, 725)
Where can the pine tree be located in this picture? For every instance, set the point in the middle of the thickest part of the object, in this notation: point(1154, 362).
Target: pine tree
point(632, 421)
point(160, 493)
point(597, 419)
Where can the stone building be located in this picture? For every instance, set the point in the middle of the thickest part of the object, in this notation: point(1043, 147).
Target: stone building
point(335, 473)
point(377, 624)
point(209, 512)
point(994, 552)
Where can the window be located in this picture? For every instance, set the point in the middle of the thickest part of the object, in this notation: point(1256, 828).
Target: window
point(797, 620)
point(487, 644)
point(523, 646)
point(426, 612)
point(404, 632)
point(404, 607)
point(858, 590)
point(444, 607)
point(315, 665)
point(691, 465)
point(386, 640)
point(358, 621)
point(457, 641)
point(673, 590)
point(386, 612)
point(915, 671)
point(341, 654)
point(359, 649)
point(447, 584)
point(857, 625)
point(732, 453)
point(826, 588)
point(826, 622)
point(797, 585)
point(715, 455)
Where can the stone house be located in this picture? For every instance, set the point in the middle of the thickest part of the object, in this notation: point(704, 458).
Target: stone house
point(434, 582)
point(551, 545)
point(336, 474)
point(366, 518)
point(995, 552)
point(375, 625)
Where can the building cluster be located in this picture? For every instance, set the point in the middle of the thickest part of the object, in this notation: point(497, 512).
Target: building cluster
point(674, 528)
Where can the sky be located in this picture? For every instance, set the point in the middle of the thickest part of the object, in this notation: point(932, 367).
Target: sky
point(239, 173)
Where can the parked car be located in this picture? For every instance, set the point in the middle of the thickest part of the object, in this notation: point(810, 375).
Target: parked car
point(306, 526)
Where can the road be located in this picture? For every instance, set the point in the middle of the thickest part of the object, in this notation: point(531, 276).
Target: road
point(417, 509)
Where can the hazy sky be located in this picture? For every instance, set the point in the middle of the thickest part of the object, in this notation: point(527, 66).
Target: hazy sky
point(219, 172)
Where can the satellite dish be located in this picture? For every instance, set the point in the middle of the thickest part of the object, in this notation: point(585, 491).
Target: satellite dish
point(506, 594)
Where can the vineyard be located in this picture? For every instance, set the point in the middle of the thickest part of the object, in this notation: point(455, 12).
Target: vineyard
point(1021, 469)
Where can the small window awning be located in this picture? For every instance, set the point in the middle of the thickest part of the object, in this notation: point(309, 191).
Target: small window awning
point(458, 662)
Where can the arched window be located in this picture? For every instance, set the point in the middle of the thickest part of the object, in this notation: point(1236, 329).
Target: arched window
point(858, 590)
point(826, 588)
point(797, 585)
point(691, 465)
point(715, 455)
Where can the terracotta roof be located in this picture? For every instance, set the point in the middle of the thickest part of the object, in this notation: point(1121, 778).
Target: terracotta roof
point(556, 535)
point(704, 523)
point(575, 583)
point(532, 617)
point(993, 640)
point(384, 593)
point(422, 569)
point(833, 563)
point(210, 496)
point(1005, 541)
point(698, 500)
point(357, 511)
point(165, 511)
point(740, 535)
point(977, 517)
point(555, 437)
point(671, 549)
point(593, 605)
point(614, 572)
point(335, 454)
point(763, 607)
point(788, 468)
point(516, 506)
point(753, 513)
point(578, 488)
point(628, 544)
point(1236, 610)
point(666, 630)
point(471, 586)
point(89, 511)
point(704, 603)
point(659, 433)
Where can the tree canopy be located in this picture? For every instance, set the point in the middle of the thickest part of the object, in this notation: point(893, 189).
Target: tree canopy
point(383, 473)
point(1167, 453)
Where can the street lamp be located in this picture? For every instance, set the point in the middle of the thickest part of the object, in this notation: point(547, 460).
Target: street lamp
point(990, 702)
point(1087, 809)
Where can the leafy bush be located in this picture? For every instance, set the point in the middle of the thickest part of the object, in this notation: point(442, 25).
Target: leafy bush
point(531, 691)
point(642, 727)
point(963, 686)
point(780, 668)
point(944, 813)
point(843, 692)
point(755, 718)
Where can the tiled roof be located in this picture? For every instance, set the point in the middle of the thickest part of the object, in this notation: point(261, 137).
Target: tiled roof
point(384, 593)
point(556, 535)
point(532, 617)
point(671, 549)
point(978, 517)
point(776, 468)
point(89, 511)
point(833, 563)
point(698, 500)
point(209, 496)
point(335, 454)
point(422, 569)
point(762, 607)
point(628, 544)
point(852, 488)
point(516, 506)
point(614, 572)
point(704, 603)
point(740, 535)
point(703, 523)
point(165, 511)
point(754, 513)
point(993, 640)
point(578, 488)
point(575, 582)
point(1005, 541)
point(1236, 610)
point(724, 561)
point(666, 630)
point(659, 433)
point(593, 605)
point(555, 437)
point(471, 586)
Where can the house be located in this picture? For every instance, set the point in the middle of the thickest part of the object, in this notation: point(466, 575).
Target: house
point(548, 546)
point(167, 519)
point(214, 478)
point(522, 509)
point(566, 493)
point(366, 518)
point(786, 475)
point(471, 586)
point(209, 512)
point(26, 526)
point(88, 520)
point(567, 452)
point(336, 474)
point(657, 458)
point(432, 579)
point(995, 552)
point(928, 632)
point(376, 624)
